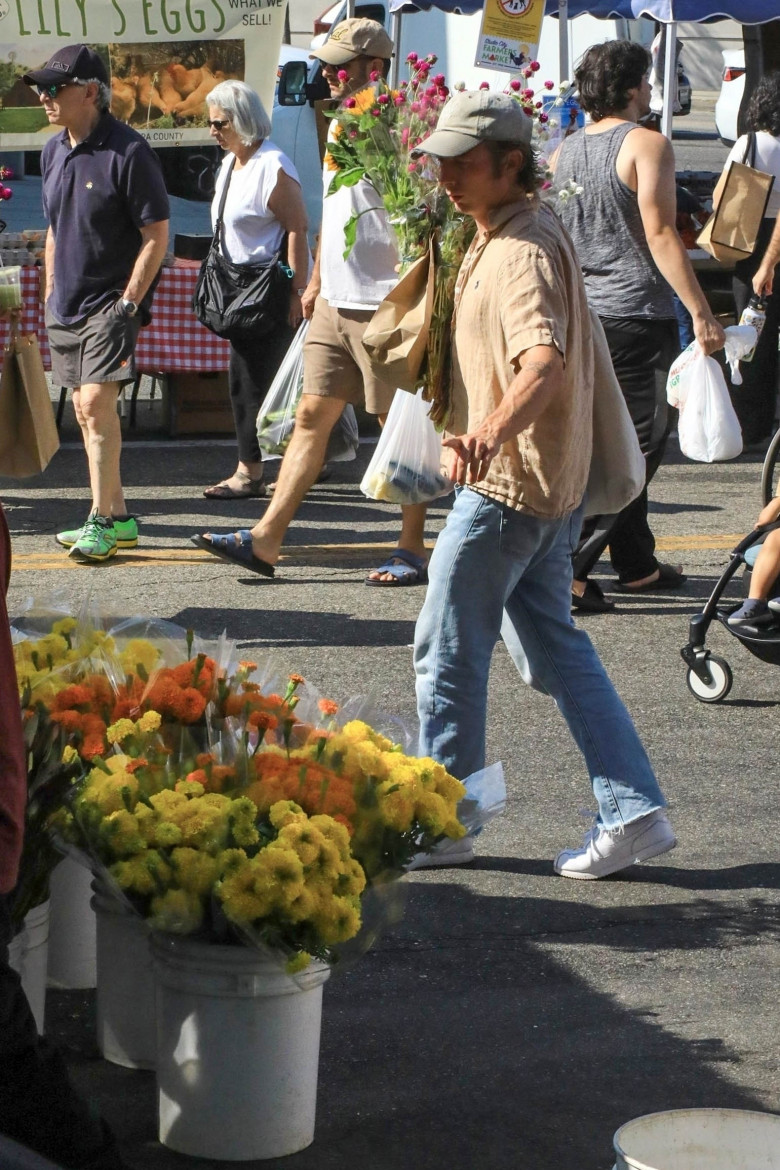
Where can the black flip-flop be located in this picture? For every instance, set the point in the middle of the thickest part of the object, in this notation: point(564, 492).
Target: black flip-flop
point(235, 547)
point(668, 578)
point(592, 600)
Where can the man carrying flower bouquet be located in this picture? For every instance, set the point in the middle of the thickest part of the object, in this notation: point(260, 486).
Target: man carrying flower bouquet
point(340, 300)
point(519, 448)
point(38, 1105)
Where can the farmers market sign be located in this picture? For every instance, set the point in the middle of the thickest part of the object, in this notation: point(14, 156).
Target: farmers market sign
point(163, 57)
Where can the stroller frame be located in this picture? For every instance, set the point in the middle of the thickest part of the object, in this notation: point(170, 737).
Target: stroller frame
point(709, 677)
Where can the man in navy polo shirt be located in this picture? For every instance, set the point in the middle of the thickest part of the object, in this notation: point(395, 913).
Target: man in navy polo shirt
point(107, 207)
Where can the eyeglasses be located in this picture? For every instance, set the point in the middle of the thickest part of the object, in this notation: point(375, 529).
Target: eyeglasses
point(218, 123)
point(51, 91)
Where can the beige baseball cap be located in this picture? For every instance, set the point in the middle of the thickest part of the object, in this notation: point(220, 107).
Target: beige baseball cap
point(473, 116)
point(356, 37)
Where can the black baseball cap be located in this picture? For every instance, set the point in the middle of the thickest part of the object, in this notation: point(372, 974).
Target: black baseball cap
point(72, 63)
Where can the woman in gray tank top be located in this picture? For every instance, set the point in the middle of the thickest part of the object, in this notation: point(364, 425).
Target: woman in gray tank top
point(621, 259)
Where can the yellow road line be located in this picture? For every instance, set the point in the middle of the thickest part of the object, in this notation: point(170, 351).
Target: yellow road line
point(310, 554)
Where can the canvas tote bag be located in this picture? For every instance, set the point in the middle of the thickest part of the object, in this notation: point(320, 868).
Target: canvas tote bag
point(397, 334)
point(28, 431)
point(731, 232)
point(617, 465)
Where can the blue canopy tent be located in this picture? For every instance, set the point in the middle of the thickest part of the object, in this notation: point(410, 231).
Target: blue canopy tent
point(668, 12)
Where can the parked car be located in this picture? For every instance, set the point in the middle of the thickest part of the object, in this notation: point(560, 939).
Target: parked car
point(732, 90)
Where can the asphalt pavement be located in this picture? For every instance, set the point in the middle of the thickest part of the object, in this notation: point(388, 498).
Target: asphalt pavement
point(514, 1018)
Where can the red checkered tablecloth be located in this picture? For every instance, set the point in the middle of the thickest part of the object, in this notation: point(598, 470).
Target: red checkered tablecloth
point(175, 342)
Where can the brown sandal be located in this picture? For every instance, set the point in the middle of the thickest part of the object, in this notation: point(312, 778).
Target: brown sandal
point(253, 489)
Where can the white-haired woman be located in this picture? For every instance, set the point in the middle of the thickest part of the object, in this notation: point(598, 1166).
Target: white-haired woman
point(264, 201)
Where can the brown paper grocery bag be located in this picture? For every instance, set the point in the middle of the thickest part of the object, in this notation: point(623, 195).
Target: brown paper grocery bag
point(28, 431)
point(731, 232)
point(397, 334)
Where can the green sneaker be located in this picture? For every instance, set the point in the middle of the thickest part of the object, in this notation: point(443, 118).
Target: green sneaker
point(97, 541)
point(126, 533)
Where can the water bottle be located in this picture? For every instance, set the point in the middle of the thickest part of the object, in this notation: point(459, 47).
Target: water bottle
point(755, 315)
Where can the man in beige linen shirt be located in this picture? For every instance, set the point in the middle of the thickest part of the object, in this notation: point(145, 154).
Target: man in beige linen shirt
point(520, 451)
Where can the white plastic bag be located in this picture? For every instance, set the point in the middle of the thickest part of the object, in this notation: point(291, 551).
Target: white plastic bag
point(406, 466)
point(276, 416)
point(708, 429)
point(740, 339)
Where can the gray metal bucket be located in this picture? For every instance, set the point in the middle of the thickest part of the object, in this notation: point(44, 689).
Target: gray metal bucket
point(699, 1139)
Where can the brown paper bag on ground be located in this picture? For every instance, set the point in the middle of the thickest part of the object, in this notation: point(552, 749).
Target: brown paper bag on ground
point(28, 431)
point(397, 334)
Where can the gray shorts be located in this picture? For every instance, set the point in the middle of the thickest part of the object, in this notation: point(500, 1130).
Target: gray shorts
point(99, 349)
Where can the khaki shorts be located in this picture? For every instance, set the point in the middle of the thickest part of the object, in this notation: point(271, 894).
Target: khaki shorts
point(99, 349)
point(335, 364)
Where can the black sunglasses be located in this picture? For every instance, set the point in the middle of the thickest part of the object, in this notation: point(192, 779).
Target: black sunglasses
point(218, 123)
point(51, 91)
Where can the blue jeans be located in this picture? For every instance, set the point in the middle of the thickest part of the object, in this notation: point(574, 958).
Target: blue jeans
point(496, 571)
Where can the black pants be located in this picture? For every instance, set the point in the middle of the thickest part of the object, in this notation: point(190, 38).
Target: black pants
point(642, 352)
point(755, 400)
point(253, 365)
point(39, 1107)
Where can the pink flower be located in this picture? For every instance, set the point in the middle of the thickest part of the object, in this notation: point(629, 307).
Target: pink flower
point(514, 84)
point(544, 118)
point(412, 58)
point(528, 94)
point(412, 168)
point(549, 85)
point(376, 112)
point(342, 75)
point(534, 66)
point(439, 79)
point(431, 58)
point(526, 73)
point(383, 99)
point(432, 91)
point(400, 99)
point(373, 75)
point(405, 136)
point(350, 104)
point(353, 133)
point(484, 85)
point(415, 107)
point(538, 105)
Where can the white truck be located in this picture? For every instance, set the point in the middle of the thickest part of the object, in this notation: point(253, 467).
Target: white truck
point(452, 37)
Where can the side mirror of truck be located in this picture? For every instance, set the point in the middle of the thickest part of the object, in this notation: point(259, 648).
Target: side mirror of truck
point(293, 84)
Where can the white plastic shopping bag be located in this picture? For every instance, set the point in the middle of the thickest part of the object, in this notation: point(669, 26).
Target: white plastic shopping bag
point(276, 416)
point(708, 429)
point(740, 339)
point(406, 466)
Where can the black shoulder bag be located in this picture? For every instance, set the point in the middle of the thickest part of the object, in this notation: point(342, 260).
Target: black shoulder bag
point(240, 300)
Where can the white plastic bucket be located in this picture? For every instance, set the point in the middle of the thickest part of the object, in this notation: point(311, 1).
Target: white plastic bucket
point(700, 1139)
point(27, 954)
point(238, 1045)
point(72, 927)
point(126, 1032)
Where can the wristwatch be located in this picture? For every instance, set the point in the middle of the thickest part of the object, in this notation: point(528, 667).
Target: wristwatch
point(130, 307)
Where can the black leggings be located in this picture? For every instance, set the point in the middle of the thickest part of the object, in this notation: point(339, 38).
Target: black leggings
point(253, 365)
point(642, 352)
point(754, 401)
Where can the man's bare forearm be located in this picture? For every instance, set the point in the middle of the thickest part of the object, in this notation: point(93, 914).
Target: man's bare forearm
point(148, 262)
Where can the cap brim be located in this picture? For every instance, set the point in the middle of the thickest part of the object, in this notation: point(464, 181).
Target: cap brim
point(46, 77)
point(446, 144)
point(334, 55)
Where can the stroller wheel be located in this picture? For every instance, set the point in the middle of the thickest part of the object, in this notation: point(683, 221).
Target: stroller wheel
point(712, 692)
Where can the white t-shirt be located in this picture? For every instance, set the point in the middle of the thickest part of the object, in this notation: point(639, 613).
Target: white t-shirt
point(369, 272)
point(768, 160)
point(251, 234)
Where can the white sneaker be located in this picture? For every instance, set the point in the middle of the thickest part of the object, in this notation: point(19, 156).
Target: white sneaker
point(605, 852)
point(446, 852)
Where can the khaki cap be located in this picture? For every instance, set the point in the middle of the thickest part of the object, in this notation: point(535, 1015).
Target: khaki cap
point(356, 37)
point(473, 116)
